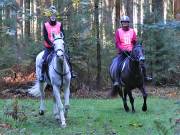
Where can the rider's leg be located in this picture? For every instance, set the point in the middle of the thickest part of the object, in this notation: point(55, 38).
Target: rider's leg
point(70, 65)
point(121, 57)
point(47, 51)
point(146, 78)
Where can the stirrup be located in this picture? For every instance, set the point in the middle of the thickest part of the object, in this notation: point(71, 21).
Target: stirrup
point(73, 75)
point(116, 84)
point(147, 78)
point(41, 79)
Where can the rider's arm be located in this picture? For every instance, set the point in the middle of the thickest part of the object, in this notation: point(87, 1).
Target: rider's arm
point(45, 34)
point(117, 41)
point(134, 39)
point(62, 30)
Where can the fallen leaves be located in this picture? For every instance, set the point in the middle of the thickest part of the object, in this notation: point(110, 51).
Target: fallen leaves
point(136, 124)
point(5, 125)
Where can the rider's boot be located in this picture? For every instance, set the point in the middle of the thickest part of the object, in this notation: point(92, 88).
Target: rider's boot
point(41, 79)
point(116, 83)
point(73, 75)
point(146, 78)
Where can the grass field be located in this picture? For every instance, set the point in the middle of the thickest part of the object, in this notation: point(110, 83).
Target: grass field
point(95, 117)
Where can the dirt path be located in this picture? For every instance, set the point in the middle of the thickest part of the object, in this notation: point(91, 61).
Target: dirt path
point(17, 86)
point(21, 91)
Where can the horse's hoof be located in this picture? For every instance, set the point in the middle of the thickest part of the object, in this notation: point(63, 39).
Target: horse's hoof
point(41, 112)
point(144, 108)
point(133, 111)
point(66, 111)
point(126, 108)
point(63, 125)
point(57, 118)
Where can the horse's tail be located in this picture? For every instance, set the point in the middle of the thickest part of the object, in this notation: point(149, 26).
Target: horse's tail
point(35, 89)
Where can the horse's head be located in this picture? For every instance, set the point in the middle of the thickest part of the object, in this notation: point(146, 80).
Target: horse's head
point(138, 53)
point(59, 45)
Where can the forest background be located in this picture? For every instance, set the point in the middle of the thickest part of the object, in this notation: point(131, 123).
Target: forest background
point(89, 34)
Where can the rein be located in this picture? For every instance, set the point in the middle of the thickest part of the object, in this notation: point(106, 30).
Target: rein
point(131, 53)
point(57, 72)
point(58, 50)
point(61, 74)
point(57, 38)
point(129, 56)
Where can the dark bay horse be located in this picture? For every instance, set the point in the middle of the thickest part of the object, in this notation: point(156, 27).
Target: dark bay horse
point(130, 77)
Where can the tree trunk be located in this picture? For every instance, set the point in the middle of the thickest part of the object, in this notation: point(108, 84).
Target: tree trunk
point(48, 3)
point(139, 18)
point(1, 15)
point(129, 9)
point(118, 2)
point(177, 9)
point(19, 19)
point(96, 17)
point(158, 10)
point(27, 21)
point(38, 15)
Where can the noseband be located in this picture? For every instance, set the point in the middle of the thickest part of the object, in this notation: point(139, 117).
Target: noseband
point(133, 55)
point(58, 49)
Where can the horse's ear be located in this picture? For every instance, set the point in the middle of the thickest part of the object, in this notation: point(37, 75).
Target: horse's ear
point(138, 43)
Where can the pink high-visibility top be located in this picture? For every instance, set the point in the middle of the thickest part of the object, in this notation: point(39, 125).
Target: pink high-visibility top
point(56, 29)
point(125, 39)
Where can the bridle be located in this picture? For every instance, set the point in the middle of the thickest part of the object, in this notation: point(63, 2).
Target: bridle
point(59, 73)
point(133, 56)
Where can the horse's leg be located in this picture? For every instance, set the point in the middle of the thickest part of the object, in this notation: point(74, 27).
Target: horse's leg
point(42, 97)
point(120, 91)
point(55, 110)
point(66, 96)
point(143, 91)
point(59, 104)
point(131, 100)
point(125, 100)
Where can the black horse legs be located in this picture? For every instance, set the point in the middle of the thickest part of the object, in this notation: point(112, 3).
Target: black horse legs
point(123, 94)
point(143, 91)
point(131, 100)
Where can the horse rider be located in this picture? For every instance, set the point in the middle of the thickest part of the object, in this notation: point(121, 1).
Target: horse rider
point(125, 39)
point(52, 26)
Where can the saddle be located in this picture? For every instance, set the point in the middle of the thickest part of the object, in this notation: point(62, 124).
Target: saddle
point(47, 61)
point(45, 66)
point(121, 66)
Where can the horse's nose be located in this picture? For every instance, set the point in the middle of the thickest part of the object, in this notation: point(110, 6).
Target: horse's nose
point(59, 54)
point(142, 58)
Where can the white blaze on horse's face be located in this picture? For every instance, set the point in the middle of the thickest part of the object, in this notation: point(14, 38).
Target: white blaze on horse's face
point(59, 46)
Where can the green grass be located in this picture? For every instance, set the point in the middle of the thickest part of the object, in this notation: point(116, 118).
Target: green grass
point(96, 117)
